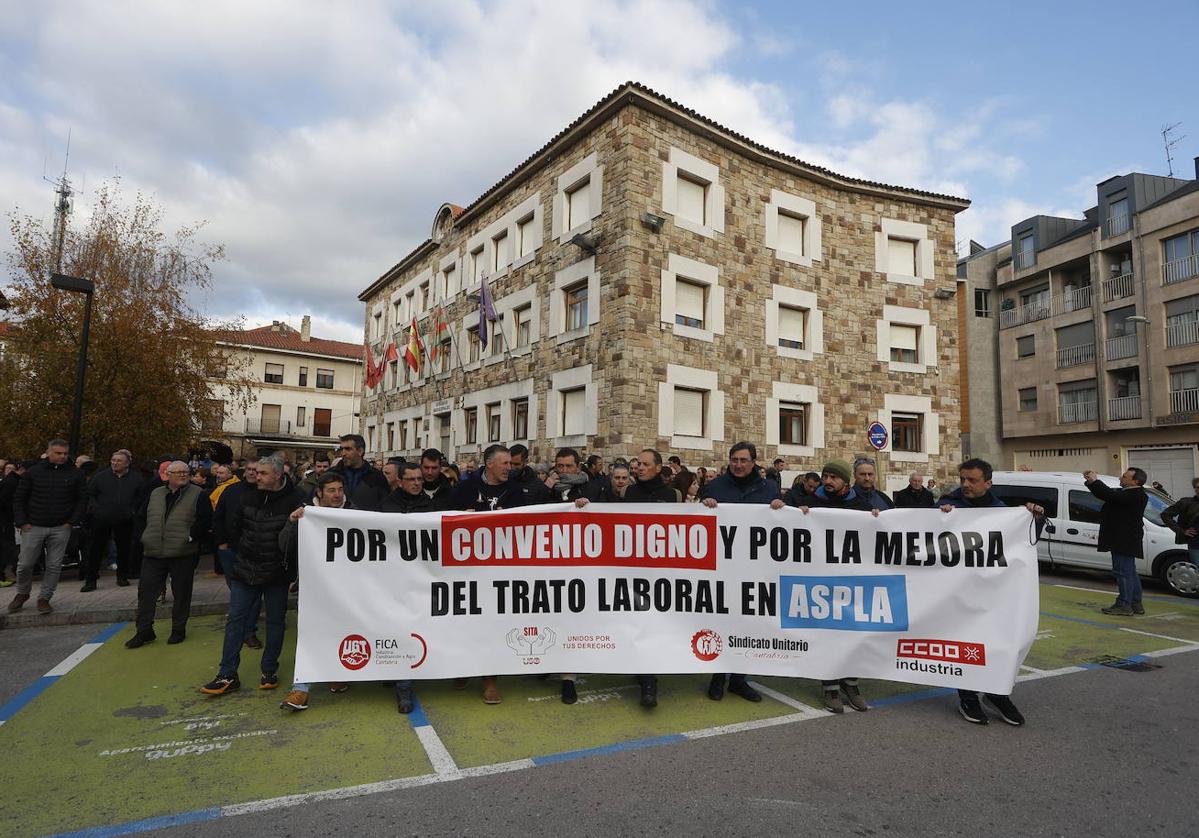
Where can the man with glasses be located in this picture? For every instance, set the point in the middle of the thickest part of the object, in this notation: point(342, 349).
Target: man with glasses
point(365, 485)
point(178, 519)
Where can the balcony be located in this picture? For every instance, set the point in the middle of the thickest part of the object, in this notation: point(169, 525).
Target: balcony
point(1076, 299)
point(1184, 401)
point(268, 427)
point(1118, 224)
point(1182, 334)
point(1070, 414)
point(1024, 259)
point(1124, 346)
point(1180, 269)
point(1076, 356)
point(1125, 407)
point(1118, 288)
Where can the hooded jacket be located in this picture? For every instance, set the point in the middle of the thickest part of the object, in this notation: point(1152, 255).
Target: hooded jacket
point(257, 522)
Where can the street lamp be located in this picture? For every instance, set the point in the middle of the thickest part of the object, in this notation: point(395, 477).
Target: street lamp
point(88, 289)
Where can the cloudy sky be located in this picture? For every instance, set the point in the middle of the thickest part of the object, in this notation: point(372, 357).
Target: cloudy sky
point(317, 139)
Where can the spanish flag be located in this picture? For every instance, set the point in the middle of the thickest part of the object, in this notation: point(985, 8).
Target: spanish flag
point(414, 353)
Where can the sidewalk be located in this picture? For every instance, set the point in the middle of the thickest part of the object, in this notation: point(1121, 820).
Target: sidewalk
point(109, 603)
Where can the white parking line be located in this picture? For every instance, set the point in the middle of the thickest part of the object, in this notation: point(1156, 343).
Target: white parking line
point(439, 756)
point(72, 660)
point(1089, 590)
point(782, 698)
point(1158, 636)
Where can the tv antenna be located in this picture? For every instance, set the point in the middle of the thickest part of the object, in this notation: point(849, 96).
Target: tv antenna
point(62, 207)
point(1169, 140)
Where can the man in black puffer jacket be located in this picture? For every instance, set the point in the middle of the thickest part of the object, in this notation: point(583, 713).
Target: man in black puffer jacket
point(260, 569)
point(649, 487)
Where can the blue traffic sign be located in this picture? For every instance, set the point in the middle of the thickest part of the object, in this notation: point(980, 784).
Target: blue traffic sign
point(876, 435)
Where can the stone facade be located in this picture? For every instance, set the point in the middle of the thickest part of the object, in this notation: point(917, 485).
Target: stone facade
point(758, 241)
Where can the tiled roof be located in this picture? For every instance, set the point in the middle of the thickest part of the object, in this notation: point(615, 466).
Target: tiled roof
point(288, 339)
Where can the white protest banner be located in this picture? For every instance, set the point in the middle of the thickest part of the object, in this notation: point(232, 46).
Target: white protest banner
point(922, 596)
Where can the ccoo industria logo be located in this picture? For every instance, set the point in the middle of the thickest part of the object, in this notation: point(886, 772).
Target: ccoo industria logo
point(354, 652)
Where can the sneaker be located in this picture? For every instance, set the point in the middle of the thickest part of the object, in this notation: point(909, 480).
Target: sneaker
point(832, 701)
point(17, 602)
point(972, 711)
point(1138, 608)
point(112, 567)
point(252, 642)
point(716, 687)
point(569, 694)
point(1006, 709)
point(338, 687)
point(221, 685)
point(741, 687)
point(87, 588)
point(176, 637)
point(854, 696)
point(140, 639)
point(268, 682)
point(491, 690)
point(44, 607)
point(296, 700)
point(1118, 610)
point(405, 701)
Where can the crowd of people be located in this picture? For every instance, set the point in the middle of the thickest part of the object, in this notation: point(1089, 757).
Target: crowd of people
point(151, 524)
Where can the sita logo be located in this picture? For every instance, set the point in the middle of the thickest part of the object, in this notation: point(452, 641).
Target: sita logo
point(706, 645)
point(355, 652)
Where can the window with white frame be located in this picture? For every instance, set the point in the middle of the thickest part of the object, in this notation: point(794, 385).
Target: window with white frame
point(575, 300)
point(273, 374)
point(397, 316)
point(493, 422)
point(578, 198)
point(794, 323)
point(422, 299)
point(794, 419)
point(499, 252)
point(391, 433)
point(691, 292)
point(324, 379)
point(791, 232)
point(571, 407)
point(793, 326)
point(370, 438)
point(474, 345)
point(301, 416)
point(526, 243)
point(690, 408)
point(377, 326)
point(448, 281)
point(403, 435)
point(578, 204)
point(573, 411)
point(907, 340)
point(793, 423)
point(471, 423)
point(523, 316)
point(692, 193)
point(520, 418)
point(477, 265)
point(903, 252)
point(907, 432)
point(914, 427)
point(793, 228)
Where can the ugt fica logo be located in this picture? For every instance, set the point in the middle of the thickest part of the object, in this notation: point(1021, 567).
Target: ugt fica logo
point(706, 645)
point(354, 652)
point(530, 641)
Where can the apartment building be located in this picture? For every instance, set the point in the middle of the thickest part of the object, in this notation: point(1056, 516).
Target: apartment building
point(1099, 334)
point(307, 393)
point(662, 280)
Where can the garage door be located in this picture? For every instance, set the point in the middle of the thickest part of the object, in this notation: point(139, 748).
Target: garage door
point(1174, 468)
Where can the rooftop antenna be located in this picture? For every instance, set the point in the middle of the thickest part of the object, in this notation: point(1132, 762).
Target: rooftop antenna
point(62, 207)
point(1169, 140)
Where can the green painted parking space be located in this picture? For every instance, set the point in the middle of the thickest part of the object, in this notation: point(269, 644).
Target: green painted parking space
point(1172, 618)
point(1062, 643)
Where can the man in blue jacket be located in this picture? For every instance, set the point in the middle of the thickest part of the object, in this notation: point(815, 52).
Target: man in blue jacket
point(975, 493)
point(742, 483)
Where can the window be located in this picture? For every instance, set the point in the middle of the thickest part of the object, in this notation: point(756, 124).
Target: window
point(476, 265)
point(572, 411)
point(303, 376)
point(269, 423)
point(1078, 401)
point(905, 342)
point(1026, 346)
point(422, 299)
point(471, 415)
point(792, 327)
point(575, 300)
point(982, 302)
point(1181, 257)
point(793, 228)
point(578, 204)
point(901, 257)
point(301, 416)
point(493, 422)
point(1028, 399)
point(524, 328)
point(391, 436)
point(689, 412)
point(474, 345)
point(324, 379)
point(377, 325)
point(322, 421)
point(793, 424)
point(525, 241)
point(403, 435)
point(397, 313)
point(1184, 389)
point(274, 374)
point(692, 195)
point(449, 278)
point(499, 251)
point(1117, 217)
point(1182, 321)
point(1025, 255)
point(1085, 507)
point(791, 233)
point(1043, 497)
point(520, 418)
point(907, 432)
point(690, 303)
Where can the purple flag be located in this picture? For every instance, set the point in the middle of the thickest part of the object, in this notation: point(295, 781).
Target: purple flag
point(486, 311)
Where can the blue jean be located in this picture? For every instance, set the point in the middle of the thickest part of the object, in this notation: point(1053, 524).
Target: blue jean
point(226, 558)
point(242, 601)
point(1128, 582)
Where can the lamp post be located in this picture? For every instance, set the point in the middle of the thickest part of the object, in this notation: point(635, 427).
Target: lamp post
point(87, 288)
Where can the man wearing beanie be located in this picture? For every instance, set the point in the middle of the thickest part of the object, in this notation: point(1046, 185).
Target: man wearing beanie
point(836, 492)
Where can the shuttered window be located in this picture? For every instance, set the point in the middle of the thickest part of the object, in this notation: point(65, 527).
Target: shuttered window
point(691, 195)
point(689, 298)
point(573, 402)
point(792, 327)
point(689, 412)
point(578, 205)
point(791, 228)
point(901, 257)
point(905, 341)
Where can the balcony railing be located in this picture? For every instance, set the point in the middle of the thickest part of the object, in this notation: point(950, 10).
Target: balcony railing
point(270, 427)
point(1180, 269)
point(1184, 401)
point(1024, 259)
point(1125, 407)
point(1075, 299)
point(1182, 334)
point(1118, 288)
point(1069, 414)
point(1124, 346)
point(1118, 224)
point(1074, 356)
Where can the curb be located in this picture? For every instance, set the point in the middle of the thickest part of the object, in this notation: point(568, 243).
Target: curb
point(32, 619)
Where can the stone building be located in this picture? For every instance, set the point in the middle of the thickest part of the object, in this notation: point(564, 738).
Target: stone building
point(662, 280)
point(1099, 334)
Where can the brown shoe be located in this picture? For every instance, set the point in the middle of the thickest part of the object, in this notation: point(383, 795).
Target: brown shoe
point(491, 691)
point(252, 642)
point(17, 602)
point(459, 683)
point(854, 696)
point(43, 606)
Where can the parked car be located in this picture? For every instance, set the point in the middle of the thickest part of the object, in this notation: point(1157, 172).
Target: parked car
point(1074, 514)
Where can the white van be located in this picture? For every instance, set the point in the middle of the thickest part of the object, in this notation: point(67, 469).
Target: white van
point(1074, 513)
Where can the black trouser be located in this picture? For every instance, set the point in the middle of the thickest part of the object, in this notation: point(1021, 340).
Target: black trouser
point(149, 586)
point(121, 532)
point(8, 547)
